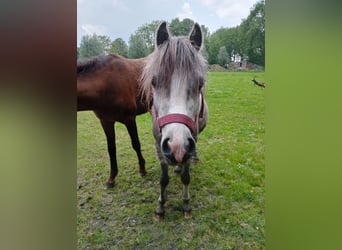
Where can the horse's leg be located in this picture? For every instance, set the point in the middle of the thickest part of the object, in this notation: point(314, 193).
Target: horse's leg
point(109, 130)
point(164, 180)
point(133, 133)
point(185, 177)
point(195, 158)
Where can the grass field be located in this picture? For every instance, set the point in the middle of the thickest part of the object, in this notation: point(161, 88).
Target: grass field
point(227, 187)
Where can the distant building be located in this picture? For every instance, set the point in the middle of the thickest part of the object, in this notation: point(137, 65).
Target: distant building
point(243, 65)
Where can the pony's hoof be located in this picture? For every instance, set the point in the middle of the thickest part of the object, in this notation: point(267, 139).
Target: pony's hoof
point(109, 185)
point(187, 215)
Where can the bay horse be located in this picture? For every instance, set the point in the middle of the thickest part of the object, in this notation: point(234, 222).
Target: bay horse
point(109, 86)
point(174, 76)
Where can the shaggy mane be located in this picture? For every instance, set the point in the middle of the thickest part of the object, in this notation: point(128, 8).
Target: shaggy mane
point(91, 65)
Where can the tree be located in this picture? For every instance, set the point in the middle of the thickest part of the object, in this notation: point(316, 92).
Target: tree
point(205, 46)
point(137, 46)
point(181, 28)
point(105, 42)
point(119, 46)
point(227, 37)
point(142, 39)
point(204, 53)
point(216, 41)
point(90, 46)
point(147, 33)
point(223, 56)
point(246, 40)
point(252, 32)
point(184, 27)
point(233, 43)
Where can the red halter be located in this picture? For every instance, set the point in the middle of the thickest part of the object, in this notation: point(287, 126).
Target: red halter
point(179, 118)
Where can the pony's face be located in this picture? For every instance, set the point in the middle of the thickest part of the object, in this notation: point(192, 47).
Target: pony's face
point(177, 84)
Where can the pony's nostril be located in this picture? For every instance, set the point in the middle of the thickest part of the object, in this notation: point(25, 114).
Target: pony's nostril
point(191, 147)
point(165, 146)
point(178, 151)
point(167, 151)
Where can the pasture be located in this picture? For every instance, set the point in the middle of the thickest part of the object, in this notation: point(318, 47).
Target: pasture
point(227, 186)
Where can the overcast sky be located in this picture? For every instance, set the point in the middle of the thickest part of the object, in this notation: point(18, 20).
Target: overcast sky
point(121, 18)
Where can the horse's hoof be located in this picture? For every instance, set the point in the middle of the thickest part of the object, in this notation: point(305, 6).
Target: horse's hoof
point(142, 173)
point(187, 215)
point(109, 185)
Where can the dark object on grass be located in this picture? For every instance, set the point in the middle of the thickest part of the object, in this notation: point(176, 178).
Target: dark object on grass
point(260, 84)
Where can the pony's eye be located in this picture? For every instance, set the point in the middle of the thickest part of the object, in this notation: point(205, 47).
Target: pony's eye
point(200, 84)
point(154, 82)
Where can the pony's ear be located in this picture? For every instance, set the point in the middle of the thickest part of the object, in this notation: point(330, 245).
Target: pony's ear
point(196, 36)
point(162, 34)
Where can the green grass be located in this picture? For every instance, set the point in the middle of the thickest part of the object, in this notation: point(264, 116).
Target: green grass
point(227, 187)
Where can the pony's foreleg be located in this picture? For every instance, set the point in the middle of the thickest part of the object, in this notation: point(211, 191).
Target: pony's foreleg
point(185, 177)
point(133, 133)
point(164, 180)
point(195, 158)
point(109, 130)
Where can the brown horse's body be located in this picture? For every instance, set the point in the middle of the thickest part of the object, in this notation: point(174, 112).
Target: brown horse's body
point(109, 86)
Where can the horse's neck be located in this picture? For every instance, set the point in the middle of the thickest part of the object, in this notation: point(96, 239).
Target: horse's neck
point(86, 94)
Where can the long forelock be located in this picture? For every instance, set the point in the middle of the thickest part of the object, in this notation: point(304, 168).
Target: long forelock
point(175, 56)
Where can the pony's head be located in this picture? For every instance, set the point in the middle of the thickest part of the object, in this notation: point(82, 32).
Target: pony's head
point(175, 73)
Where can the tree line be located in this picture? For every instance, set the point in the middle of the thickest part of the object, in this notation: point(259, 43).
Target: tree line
point(243, 42)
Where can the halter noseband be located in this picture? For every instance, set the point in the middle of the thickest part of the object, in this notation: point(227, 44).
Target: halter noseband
point(179, 118)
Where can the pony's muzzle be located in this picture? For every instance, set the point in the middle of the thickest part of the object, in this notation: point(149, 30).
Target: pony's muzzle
point(178, 151)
